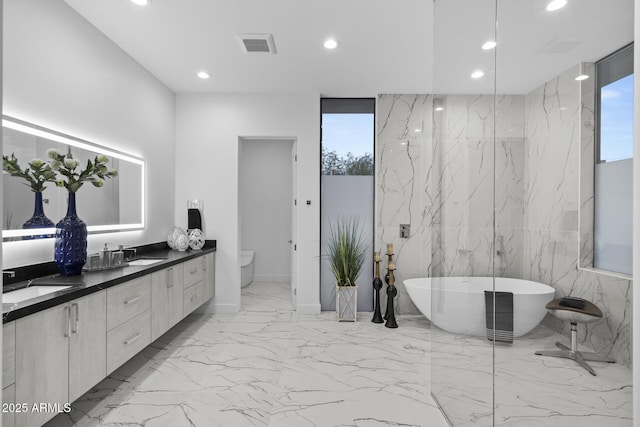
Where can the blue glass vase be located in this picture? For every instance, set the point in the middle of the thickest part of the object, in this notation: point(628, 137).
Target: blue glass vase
point(39, 219)
point(71, 241)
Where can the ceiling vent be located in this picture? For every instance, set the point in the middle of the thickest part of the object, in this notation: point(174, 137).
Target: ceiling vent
point(257, 43)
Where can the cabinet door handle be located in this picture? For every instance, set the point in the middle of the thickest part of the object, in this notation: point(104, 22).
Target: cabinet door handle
point(67, 317)
point(132, 300)
point(133, 338)
point(204, 263)
point(170, 278)
point(74, 329)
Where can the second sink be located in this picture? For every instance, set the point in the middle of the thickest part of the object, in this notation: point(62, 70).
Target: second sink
point(29, 293)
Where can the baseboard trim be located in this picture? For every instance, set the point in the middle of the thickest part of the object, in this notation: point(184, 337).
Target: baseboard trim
point(271, 278)
point(308, 308)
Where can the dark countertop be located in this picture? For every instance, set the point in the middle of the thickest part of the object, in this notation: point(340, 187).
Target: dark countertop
point(90, 282)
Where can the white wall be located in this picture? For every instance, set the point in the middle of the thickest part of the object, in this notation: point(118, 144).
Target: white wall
point(265, 206)
point(62, 73)
point(208, 130)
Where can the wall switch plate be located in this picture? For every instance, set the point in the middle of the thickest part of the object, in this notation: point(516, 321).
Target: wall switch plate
point(405, 231)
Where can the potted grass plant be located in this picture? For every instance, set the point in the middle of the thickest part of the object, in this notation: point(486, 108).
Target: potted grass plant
point(346, 250)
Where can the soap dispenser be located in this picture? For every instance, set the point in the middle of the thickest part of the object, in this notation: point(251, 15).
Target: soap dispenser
point(118, 256)
point(106, 256)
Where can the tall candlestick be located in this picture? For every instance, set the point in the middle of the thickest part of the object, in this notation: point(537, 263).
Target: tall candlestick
point(377, 285)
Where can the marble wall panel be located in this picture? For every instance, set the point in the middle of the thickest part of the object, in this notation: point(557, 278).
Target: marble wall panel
point(559, 208)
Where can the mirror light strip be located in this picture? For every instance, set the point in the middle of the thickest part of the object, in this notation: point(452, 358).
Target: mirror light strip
point(35, 130)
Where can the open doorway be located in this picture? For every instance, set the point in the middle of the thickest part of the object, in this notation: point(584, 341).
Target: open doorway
point(267, 182)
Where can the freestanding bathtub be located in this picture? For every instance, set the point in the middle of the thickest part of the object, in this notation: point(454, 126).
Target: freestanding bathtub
point(457, 304)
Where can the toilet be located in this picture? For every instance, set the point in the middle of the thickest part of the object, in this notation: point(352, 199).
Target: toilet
point(247, 258)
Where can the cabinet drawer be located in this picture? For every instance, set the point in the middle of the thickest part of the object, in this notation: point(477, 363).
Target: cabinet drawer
point(193, 298)
point(8, 354)
point(127, 300)
point(127, 340)
point(193, 271)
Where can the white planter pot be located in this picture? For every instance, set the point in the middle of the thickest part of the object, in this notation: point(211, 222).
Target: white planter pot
point(346, 303)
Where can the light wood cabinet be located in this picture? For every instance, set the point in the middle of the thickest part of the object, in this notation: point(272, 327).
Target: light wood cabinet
point(166, 299)
point(87, 343)
point(193, 298)
point(8, 371)
point(9, 396)
point(8, 354)
point(127, 300)
point(55, 355)
point(42, 368)
point(193, 271)
point(61, 355)
point(126, 340)
point(209, 276)
point(128, 320)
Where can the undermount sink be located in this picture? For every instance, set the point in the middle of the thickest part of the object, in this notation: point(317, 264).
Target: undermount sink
point(29, 293)
point(146, 261)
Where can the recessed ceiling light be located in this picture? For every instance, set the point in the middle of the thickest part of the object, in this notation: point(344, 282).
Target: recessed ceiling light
point(556, 4)
point(141, 2)
point(477, 74)
point(330, 44)
point(203, 75)
point(582, 77)
point(489, 45)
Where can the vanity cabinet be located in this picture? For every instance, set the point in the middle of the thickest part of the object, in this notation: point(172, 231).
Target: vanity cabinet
point(167, 291)
point(195, 288)
point(8, 371)
point(128, 320)
point(61, 355)
point(55, 355)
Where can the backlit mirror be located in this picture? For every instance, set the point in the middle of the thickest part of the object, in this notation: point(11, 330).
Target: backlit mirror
point(117, 206)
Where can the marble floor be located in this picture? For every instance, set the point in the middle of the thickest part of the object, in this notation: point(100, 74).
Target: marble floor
point(527, 390)
point(268, 366)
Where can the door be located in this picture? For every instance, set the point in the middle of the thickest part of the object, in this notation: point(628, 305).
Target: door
point(87, 343)
point(294, 222)
point(42, 367)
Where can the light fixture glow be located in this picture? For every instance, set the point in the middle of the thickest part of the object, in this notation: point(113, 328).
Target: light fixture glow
point(51, 135)
point(438, 104)
point(203, 75)
point(417, 130)
point(556, 4)
point(477, 74)
point(582, 77)
point(141, 2)
point(489, 45)
point(330, 44)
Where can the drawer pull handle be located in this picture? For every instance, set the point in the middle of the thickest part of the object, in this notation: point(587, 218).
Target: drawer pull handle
point(133, 338)
point(132, 300)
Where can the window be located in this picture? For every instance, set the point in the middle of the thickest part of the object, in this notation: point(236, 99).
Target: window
point(613, 192)
point(347, 182)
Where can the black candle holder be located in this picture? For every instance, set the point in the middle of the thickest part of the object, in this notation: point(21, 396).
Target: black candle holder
point(390, 316)
point(377, 285)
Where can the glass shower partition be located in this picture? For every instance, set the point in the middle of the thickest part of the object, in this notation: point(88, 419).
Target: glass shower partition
point(464, 176)
point(511, 192)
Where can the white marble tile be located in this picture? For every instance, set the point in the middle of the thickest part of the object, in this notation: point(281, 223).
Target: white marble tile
point(256, 368)
point(404, 116)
